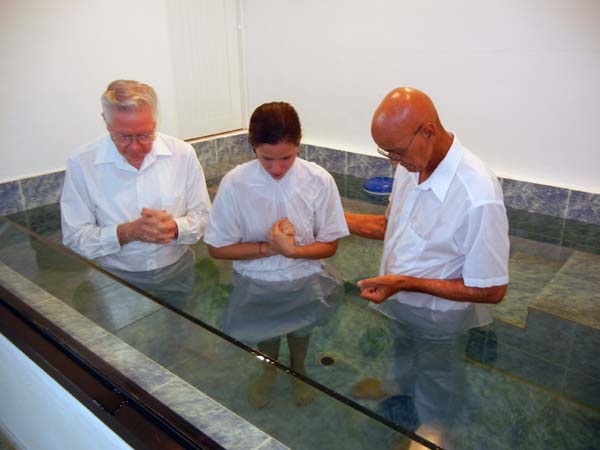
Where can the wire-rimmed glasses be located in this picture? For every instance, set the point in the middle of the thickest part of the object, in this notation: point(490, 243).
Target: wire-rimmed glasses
point(396, 155)
point(127, 139)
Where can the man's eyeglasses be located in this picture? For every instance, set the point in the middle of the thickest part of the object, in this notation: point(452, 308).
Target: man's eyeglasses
point(396, 155)
point(126, 139)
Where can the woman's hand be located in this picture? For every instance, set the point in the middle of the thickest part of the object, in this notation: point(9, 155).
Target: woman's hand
point(281, 238)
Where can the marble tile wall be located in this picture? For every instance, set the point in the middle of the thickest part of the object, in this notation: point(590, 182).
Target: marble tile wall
point(11, 198)
point(221, 154)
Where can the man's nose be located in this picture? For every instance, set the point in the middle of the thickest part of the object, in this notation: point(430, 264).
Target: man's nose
point(135, 144)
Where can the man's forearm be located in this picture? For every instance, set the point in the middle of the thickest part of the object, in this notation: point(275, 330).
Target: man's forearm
point(366, 225)
point(380, 288)
point(457, 291)
point(450, 289)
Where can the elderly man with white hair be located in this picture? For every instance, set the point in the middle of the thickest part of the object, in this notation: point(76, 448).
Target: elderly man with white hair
point(134, 199)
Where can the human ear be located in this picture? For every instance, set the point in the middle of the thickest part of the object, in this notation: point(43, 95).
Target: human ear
point(428, 129)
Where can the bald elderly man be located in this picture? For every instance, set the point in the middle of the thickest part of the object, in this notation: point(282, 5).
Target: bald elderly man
point(446, 246)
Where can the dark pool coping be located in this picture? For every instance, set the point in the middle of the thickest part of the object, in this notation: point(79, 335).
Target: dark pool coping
point(212, 418)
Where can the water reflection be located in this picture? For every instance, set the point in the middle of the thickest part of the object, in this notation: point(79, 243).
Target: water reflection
point(260, 313)
point(173, 284)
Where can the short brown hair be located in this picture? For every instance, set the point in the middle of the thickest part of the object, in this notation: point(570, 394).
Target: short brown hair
point(274, 123)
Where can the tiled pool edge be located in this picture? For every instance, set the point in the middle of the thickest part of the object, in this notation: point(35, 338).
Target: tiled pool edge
point(221, 154)
point(191, 404)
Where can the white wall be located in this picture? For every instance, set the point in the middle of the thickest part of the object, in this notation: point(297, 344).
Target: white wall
point(58, 57)
point(40, 414)
point(517, 80)
point(207, 67)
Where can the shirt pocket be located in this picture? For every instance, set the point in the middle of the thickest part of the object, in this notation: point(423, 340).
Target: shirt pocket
point(406, 251)
point(174, 205)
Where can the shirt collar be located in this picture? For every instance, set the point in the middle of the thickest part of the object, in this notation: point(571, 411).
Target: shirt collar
point(442, 176)
point(109, 154)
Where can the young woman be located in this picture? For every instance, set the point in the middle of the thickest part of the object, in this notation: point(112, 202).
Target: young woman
point(277, 217)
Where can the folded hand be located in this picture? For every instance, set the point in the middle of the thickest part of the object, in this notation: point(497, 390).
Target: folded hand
point(157, 226)
point(281, 238)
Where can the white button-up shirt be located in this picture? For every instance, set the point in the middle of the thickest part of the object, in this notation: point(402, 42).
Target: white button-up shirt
point(102, 190)
point(453, 225)
point(250, 201)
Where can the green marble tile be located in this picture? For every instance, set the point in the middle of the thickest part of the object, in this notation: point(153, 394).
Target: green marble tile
point(506, 409)
point(222, 425)
point(579, 425)
point(281, 418)
point(528, 276)
point(361, 207)
point(535, 226)
point(29, 292)
point(112, 306)
point(583, 266)
point(70, 321)
point(546, 337)
point(582, 236)
point(571, 299)
point(502, 409)
point(39, 219)
point(583, 388)
point(540, 249)
point(357, 258)
point(528, 367)
point(583, 353)
point(140, 369)
point(168, 338)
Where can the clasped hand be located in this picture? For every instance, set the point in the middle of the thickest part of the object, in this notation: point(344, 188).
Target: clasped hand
point(281, 238)
point(156, 226)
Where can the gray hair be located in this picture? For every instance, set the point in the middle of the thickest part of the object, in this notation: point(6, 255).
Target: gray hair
point(128, 95)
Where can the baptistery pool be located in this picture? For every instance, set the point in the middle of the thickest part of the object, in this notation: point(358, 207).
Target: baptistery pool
point(530, 380)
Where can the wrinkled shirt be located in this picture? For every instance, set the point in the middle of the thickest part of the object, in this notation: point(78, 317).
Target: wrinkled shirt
point(102, 190)
point(453, 225)
point(250, 201)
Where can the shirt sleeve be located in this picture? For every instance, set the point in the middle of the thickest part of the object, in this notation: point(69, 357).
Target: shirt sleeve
point(78, 222)
point(192, 225)
point(486, 246)
point(223, 227)
point(330, 223)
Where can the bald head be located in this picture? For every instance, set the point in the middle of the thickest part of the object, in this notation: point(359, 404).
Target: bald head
point(407, 116)
point(403, 110)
